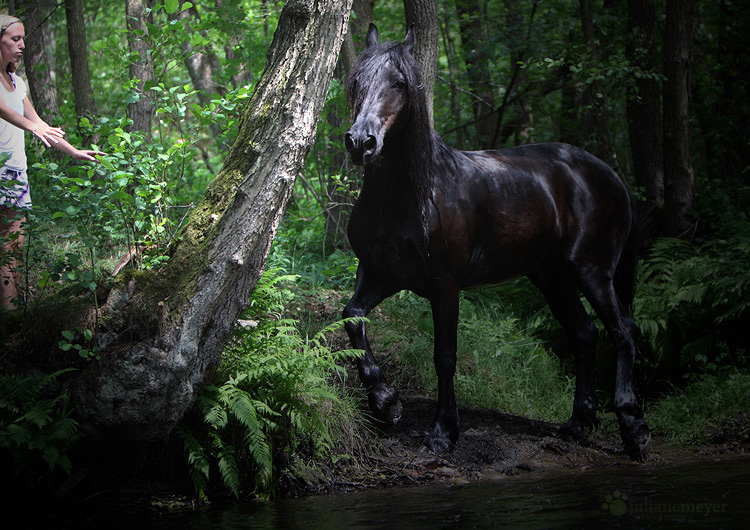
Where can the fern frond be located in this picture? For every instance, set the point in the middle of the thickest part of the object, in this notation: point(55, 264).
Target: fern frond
point(198, 462)
point(229, 469)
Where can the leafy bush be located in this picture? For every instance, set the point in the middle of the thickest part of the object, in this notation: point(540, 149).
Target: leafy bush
point(273, 393)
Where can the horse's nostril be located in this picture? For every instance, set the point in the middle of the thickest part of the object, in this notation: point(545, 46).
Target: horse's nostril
point(370, 143)
point(348, 142)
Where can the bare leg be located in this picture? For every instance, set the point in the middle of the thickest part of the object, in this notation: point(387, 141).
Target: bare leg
point(12, 239)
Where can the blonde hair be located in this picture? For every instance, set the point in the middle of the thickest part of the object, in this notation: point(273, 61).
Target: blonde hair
point(5, 22)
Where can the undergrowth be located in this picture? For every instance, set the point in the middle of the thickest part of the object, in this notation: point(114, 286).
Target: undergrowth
point(36, 429)
point(713, 408)
point(275, 391)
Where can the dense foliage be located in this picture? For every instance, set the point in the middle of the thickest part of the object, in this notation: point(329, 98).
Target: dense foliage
point(272, 392)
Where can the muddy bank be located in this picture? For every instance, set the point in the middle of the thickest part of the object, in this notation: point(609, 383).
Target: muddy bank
point(492, 446)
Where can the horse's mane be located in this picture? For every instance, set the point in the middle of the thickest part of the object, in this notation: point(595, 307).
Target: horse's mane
point(424, 147)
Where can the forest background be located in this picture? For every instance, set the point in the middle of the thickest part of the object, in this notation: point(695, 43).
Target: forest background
point(655, 88)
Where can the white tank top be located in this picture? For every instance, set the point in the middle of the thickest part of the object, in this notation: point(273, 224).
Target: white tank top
point(11, 137)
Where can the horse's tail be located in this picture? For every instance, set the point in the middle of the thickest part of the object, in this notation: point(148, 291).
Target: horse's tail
point(627, 267)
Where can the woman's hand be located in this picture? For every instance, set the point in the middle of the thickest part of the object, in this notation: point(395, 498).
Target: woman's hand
point(47, 133)
point(88, 155)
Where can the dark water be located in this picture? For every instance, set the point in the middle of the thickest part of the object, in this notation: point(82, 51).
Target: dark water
point(707, 494)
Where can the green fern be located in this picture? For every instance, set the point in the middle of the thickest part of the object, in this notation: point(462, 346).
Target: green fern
point(272, 384)
point(692, 301)
point(34, 426)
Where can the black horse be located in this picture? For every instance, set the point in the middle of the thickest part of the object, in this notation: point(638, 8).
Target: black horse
point(435, 220)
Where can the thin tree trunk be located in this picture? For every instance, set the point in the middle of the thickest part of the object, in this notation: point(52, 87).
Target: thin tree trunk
point(202, 65)
point(83, 94)
point(141, 66)
point(472, 28)
point(242, 74)
point(167, 329)
point(644, 115)
point(450, 53)
point(514, 24)
point(423, 15)
point(42, 92)
point(679, 183)
point(595, 119)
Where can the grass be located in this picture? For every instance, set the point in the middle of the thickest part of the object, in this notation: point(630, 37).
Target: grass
point(499, 364)
point(710, 409)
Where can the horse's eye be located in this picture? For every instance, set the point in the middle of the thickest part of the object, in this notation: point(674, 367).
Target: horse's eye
point(399, 85)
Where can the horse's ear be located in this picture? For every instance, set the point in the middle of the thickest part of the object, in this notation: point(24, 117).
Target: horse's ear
point(410, 39)
point(372, 36)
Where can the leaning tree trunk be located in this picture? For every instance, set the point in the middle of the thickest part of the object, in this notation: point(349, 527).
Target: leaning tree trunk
point(165, 330)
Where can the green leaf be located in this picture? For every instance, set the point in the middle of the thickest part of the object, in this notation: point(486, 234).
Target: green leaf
point(171, 6)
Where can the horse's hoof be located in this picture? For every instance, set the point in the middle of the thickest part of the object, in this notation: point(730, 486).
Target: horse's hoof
point(441, 439)
point(438, 444)
point(385, 404)
point(577, 430)
point(636, 438)
point(572, 430)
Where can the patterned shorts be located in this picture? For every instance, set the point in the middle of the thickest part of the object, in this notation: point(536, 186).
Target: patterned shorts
point(14, 189)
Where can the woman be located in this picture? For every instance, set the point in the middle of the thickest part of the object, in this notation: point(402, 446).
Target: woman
point(16, 116)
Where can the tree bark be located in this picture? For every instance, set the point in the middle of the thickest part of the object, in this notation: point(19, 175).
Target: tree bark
point(42, 92)
point(161, 332)
point(141, 66)
point(423, 14)
point(83, 94)
point(679, 183)
point(644, 115)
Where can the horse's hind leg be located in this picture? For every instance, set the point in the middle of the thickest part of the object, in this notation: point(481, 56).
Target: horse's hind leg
point(599, 290)
point(383, 400)
point(445, 317)
point(558, 288)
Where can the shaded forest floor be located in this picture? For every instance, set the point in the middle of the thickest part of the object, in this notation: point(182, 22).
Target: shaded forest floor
point(492, 446)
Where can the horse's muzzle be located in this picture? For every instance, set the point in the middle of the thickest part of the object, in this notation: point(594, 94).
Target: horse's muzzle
point(361, 147)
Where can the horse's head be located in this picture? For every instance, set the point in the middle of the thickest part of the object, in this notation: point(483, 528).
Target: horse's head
point(380, 89)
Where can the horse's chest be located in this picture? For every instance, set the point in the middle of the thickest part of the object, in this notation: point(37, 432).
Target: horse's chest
point(387, 241)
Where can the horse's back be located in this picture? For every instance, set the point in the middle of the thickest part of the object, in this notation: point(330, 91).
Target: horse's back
point(522, 206)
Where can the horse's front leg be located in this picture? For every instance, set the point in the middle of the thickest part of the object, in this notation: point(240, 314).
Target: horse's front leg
point(383, 400)
point(445, 318)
